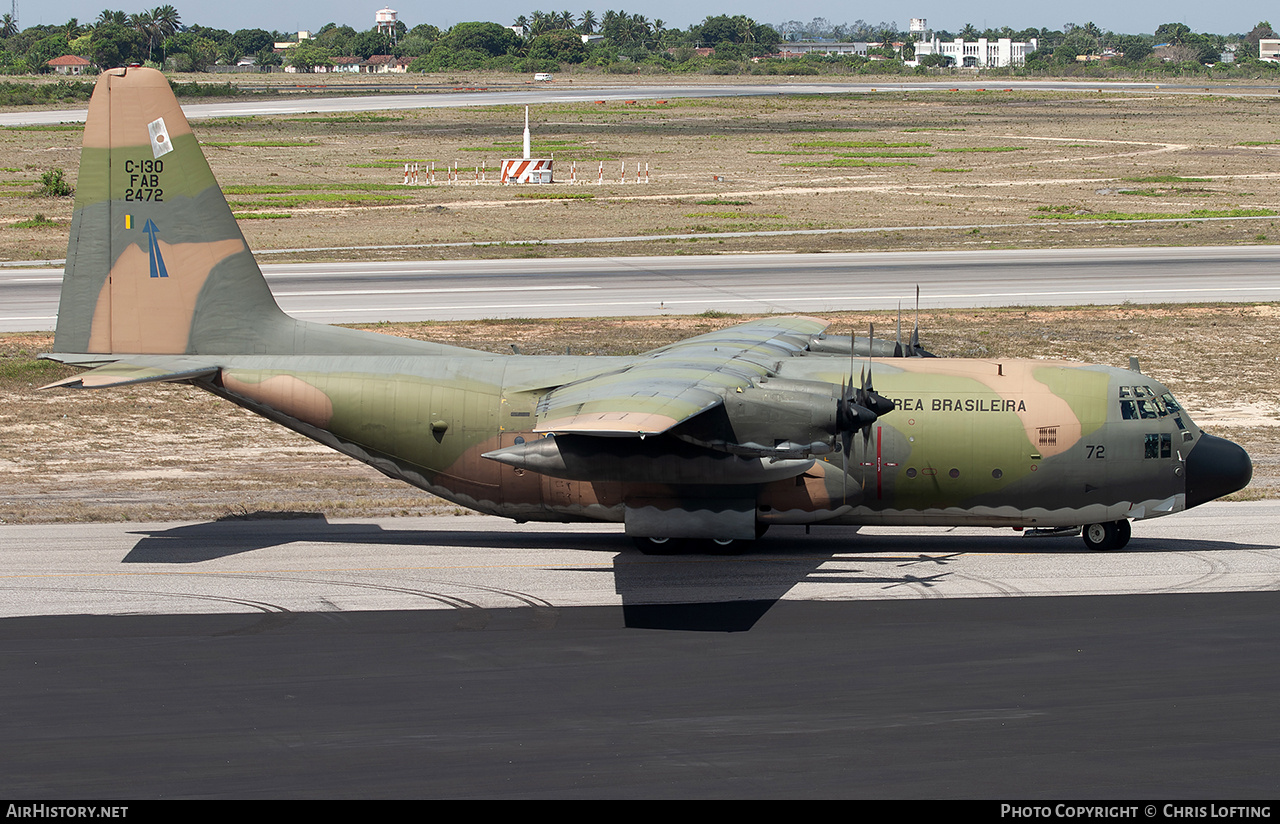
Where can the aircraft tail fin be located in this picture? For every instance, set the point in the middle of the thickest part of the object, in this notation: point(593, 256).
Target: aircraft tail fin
point(156, 263)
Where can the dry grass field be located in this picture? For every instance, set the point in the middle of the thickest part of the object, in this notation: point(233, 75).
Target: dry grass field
point(995, 169)
point(1004, 169)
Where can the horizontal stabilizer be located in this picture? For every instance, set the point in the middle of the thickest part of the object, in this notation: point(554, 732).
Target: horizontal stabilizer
point(124, 374)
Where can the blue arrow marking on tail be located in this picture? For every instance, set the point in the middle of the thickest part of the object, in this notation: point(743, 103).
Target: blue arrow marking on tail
point(157, 262)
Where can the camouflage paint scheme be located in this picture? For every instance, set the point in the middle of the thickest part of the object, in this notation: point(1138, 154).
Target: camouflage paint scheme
point(715, 437)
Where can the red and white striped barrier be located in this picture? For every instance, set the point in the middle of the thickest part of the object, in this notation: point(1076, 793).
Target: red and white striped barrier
point(527, 170)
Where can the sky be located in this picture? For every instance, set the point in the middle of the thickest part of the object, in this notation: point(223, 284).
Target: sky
point(1133, 17)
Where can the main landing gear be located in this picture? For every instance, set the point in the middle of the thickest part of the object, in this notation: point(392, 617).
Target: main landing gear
point(697, 546)
point(1108, 536)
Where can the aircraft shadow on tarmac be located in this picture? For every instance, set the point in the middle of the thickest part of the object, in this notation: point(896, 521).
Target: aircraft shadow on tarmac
point(753, 581)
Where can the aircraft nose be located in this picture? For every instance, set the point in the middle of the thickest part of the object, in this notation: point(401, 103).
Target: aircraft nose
point(1216, 467)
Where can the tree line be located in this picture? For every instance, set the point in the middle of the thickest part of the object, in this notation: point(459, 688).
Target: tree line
point(615, 41)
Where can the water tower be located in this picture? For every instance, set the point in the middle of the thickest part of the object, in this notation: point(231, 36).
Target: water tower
point(385, 21)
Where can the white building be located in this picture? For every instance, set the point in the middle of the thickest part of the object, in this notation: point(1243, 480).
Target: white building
point(984, 53)
point(1269, 50)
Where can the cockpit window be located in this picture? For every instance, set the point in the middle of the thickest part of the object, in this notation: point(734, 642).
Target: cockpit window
point(1147, 405)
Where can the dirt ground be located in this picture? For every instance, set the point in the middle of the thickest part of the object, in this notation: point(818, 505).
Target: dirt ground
point(994, 169)
point(172, 452)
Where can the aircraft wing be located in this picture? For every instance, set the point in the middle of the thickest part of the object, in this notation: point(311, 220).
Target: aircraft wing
point(666, 386)
point(123, 373)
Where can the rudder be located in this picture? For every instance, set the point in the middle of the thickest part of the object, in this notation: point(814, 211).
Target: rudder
point(156, 263)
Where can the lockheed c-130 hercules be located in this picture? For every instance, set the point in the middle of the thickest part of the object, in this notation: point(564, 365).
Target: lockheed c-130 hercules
point(707, 441)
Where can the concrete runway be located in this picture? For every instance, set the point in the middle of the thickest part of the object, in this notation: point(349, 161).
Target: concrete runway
point(467, 657)
point(475, 564)
point(807, 284)
point(576, 92)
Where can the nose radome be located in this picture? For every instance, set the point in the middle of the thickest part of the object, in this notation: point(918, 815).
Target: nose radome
point(1216, 467)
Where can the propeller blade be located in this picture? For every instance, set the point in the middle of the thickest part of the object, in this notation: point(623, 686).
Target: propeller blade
point(897, 346)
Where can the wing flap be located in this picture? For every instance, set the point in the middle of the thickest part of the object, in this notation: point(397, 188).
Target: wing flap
point(668, 386)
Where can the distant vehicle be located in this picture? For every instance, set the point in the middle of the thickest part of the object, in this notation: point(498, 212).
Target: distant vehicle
point(543, 77)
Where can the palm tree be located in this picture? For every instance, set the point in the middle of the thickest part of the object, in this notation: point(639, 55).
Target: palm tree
point(145, 25)
point(167, 20)
point(8, 26)
point(587, 23)
point(109, 16)
point(542, 23)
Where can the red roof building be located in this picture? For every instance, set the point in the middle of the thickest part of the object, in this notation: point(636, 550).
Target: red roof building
point(69, 64)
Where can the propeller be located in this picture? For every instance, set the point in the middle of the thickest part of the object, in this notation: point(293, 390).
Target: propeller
point(859, 407)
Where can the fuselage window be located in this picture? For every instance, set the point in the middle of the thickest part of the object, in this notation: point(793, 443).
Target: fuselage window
point(1128, 410)
point(1158, 446)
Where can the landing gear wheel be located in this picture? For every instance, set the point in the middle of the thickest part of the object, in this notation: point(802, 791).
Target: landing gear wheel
point(725, 546)
point(659, 546)
point(1108, 536)
point(1123, 531)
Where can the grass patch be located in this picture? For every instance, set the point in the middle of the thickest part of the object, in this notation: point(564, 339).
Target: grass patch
point(858, 144)
point(1181, 192)
point(1259, 143)
point(983, 149)
point(29, 94)
point(934, 129)
point(349, 118)
point(884, 154)
point(1165, 179)
point(48, 127)
point(312, 187)
point(823, 129)
point(734, 215)
point(555, 195)
point(37, 222)
point(390, 164)
point(844, 163)
point(23, 370)
point(260, 144)
point(322, 197)
point(1074, 213)
point(204, 89)
point(947, 170)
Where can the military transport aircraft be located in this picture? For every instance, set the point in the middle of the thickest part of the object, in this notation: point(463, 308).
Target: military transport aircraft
point(704, 442)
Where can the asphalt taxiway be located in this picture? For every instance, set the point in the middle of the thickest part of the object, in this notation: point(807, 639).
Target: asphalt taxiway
point(465, 657)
